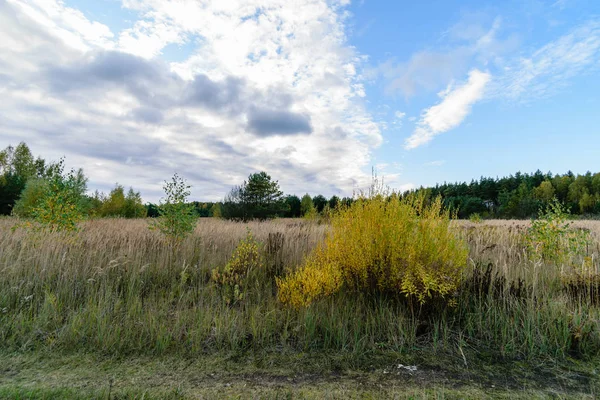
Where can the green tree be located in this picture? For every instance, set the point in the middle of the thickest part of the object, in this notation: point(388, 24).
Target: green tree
point(30, 198)
point(465, 206)
point(258, 197)
point(202, 209)
point(334, 201)
point(552, 238)
point(587, 203)
point(133, 207)
point(262, 196)
point(319, 202)
point(152, 210)
point(519, 195)
point(545, 192)
point(119, 204)
point(92, 205)
point(177, 217)
point(215, 211)
point(561, 185)
point(19, 161)
point(294, 206)
point(114, 205)
point(17, 166)
point(306, 206)
point(577, 189)
point(59, 207)
point(596, 183)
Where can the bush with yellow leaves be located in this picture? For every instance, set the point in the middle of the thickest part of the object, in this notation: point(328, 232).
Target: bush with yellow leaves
point(382, 243)
point(232, 278)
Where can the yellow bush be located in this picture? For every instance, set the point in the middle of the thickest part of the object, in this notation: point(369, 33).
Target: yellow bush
point(385, 244)
point(232, 278)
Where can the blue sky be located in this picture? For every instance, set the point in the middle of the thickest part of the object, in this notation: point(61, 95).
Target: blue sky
point(556, 130)
point(315, 92)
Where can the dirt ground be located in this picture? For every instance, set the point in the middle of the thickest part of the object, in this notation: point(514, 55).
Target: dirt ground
point(49, 376)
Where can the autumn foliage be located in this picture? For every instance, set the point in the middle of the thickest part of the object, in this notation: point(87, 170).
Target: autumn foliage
point(382, 244)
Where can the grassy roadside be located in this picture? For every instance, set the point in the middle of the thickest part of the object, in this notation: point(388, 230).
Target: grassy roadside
point(112, 312)
point(39, 375)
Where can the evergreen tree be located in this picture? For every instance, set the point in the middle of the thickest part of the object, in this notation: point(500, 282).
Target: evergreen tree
point(257, 198)
point(334, 201)
point(319, 202)
point(294, 206)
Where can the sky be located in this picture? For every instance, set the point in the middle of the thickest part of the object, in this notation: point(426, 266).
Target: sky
point(317, 93)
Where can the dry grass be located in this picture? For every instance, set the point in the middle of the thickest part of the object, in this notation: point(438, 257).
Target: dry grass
point(115, 287)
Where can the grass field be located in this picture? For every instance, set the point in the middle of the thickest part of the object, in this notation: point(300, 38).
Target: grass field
point(114, 311)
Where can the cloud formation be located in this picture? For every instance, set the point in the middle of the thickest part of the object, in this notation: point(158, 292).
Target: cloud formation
point(451, 111)
point(519, 77)
point(474, 40)
point(273, 87)
point(265, 122)
point(549, 68)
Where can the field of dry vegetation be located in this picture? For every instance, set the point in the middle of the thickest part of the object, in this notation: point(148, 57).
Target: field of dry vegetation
point(116, 291)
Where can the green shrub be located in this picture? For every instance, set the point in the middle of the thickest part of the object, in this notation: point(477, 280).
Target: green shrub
point(382, 244)
point(551, 237)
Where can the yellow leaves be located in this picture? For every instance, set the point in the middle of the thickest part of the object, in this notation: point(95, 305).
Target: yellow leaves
point(387, 244)
point(318, 278)
point(232, 277)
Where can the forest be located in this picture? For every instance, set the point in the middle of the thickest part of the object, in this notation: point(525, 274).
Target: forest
point(23, 179)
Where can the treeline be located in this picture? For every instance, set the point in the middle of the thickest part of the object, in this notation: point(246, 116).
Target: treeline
point(24, 180)
point(261, 198)
point(521, 195)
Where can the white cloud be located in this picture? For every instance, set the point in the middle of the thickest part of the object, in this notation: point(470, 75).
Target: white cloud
point(398, 119)
point(480, 42)
point(65, 23)
point(550, 67)
point(147, 39)
point(136, 121)
point(451, 111)
point(476, 40)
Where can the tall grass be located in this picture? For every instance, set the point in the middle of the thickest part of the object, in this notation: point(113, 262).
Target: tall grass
point(115, 287)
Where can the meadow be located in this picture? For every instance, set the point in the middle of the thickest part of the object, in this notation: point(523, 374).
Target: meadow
point(115, 291)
